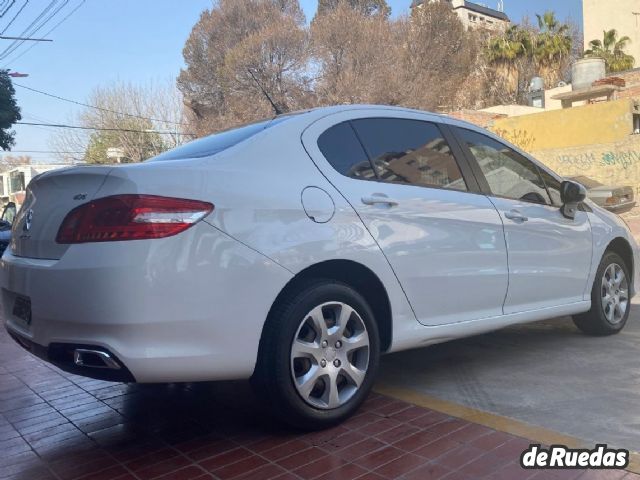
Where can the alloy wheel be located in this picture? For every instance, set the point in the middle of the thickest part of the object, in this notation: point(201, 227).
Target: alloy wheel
point(615, 294)
point(330, 355)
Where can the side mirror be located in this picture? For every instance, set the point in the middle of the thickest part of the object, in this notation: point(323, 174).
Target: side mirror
point(571, 194)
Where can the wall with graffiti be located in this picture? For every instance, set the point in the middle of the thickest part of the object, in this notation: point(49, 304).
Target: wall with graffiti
point(614, 163)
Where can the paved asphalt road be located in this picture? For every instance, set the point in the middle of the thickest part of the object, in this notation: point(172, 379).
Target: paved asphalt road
point(547, 374)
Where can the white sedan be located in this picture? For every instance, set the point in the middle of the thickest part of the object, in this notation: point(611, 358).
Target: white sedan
point(296, 250)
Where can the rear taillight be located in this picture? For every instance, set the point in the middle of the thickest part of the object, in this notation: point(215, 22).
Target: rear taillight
point(130, 217)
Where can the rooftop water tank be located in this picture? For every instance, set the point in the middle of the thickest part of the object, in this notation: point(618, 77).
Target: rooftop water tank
point(586, 71)
point(536, 85)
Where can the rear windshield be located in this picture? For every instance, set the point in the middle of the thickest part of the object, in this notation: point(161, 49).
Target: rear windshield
point(218, 142)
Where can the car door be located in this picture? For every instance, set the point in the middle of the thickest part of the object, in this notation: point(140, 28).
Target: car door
point(443, 240)
point(549, 254)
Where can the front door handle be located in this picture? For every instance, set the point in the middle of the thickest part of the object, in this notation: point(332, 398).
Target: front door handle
point(516, 216)
point(379, 200)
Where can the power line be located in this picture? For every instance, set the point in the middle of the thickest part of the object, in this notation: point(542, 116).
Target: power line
point(8, 7)
point(31, 25)
point(52, 29)
point(60, 125)
point(37, 151)
point(25, 39)
point(13, 48)
point(14, 17)
point(97, 108)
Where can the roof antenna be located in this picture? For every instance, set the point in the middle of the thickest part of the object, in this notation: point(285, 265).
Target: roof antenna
point(275, 107)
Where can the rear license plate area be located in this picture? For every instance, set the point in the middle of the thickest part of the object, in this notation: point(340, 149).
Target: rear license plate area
point(22, 309)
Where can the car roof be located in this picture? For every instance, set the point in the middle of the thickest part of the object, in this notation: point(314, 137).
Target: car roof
point(311, 115)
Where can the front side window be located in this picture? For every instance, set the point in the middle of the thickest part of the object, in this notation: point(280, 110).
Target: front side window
point(508, 173)
point(553, 187)
point(409, 152)
point(343, 151)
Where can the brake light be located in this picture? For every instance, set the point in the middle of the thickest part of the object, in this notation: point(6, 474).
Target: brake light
point(130, 217)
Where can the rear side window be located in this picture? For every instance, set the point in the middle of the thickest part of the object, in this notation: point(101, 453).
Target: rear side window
point(218, 142)
point(343, 151)
point(410, 152)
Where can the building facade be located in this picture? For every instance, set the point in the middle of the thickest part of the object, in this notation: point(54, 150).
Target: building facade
point(13, 182)
point(623, 15)
point(473, 15)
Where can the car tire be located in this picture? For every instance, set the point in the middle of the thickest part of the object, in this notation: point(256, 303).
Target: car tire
point(302, 372)
point(610, 301)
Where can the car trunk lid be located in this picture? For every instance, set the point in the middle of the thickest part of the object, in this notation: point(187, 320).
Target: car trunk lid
point(50, 197)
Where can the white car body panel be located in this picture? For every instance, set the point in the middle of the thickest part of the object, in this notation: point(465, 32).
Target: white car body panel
point(546, 255)
point(192, 307)
point(191, 280)
point(456, 236)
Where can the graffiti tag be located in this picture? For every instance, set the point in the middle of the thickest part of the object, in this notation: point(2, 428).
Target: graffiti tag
point(621, 159)
point(580, 160)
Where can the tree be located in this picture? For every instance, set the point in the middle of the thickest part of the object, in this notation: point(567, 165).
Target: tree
point(366, 7)
point(553, 42)
point(127, 118)
point(612, 50)
point(9, 111)
point(356, 56)
point(438, 55)
point(231, 44)
point(8, 162)
point(418, 62)
point(524, 51)
point(509, 53)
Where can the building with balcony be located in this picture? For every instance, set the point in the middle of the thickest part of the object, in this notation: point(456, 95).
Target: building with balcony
point(473, 15)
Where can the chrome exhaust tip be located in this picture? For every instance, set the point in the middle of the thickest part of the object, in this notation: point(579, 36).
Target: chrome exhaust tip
point(94, 359)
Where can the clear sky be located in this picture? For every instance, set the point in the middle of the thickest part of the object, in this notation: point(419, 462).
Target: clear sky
point(130, 40)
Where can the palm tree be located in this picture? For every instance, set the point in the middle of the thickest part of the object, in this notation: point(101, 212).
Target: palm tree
point(553, 43)
point(521, 49)
point(513, 44)
point(612, 50)
point(508, 51)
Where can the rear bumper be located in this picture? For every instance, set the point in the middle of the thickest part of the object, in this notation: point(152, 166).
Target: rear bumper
point(61, 355)
point(181, 309)
point(622, 207)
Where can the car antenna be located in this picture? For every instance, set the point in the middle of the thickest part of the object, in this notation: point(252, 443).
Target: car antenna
point(275, 107)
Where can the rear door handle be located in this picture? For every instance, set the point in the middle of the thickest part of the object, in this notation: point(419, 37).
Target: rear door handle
point(516, 216)
point(379, 200)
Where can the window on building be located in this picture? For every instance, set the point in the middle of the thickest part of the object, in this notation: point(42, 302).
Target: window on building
point(343, 151)
point(409, 152)
point(2, 194)
point(636, 123)
point(508, 173)
point(16, 182)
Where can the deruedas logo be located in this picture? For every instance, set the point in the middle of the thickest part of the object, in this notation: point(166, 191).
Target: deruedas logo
point(560, 456)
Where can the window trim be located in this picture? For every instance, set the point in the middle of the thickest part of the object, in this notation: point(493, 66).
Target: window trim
point(458, 156)
point(481, 178)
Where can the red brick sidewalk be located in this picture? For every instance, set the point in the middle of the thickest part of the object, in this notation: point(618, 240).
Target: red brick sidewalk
point(58, 426)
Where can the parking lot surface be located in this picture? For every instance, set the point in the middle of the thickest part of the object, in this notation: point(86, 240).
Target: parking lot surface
point(59, 426)
point(547, 374)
